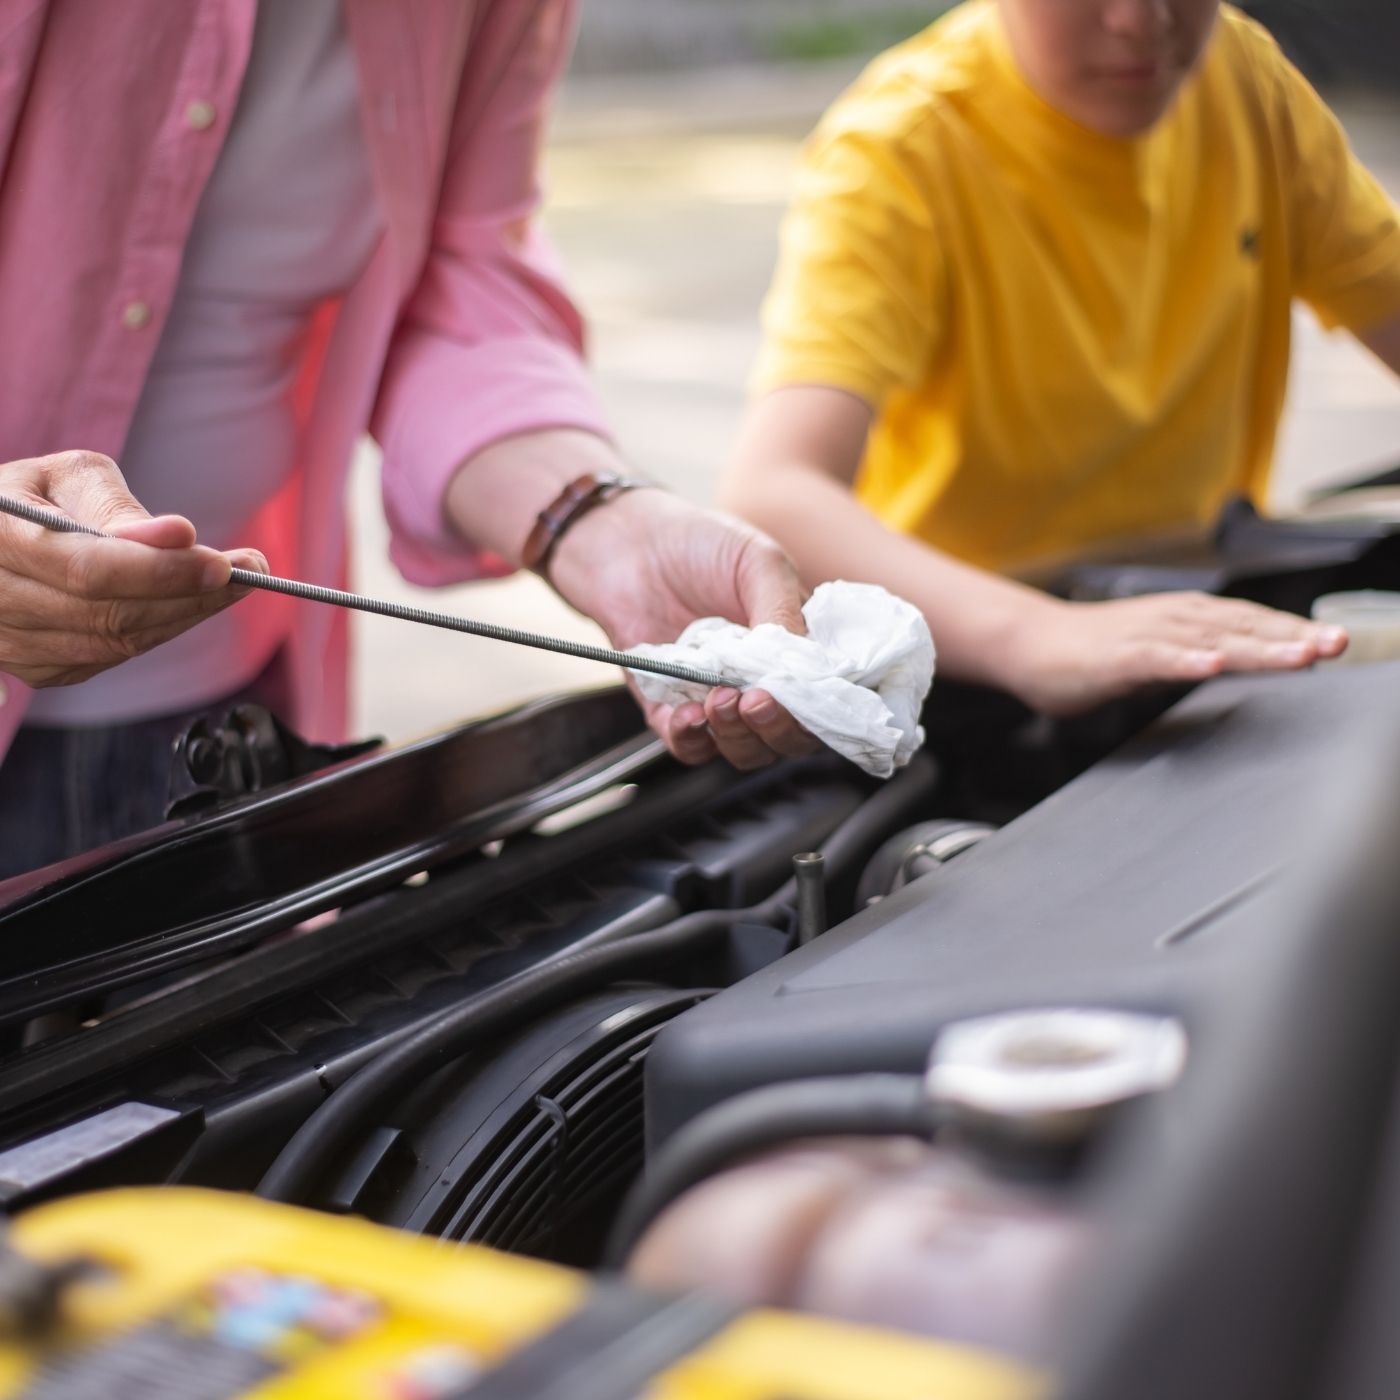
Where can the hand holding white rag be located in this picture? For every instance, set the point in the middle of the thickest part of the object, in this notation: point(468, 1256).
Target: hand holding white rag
point(857, 680)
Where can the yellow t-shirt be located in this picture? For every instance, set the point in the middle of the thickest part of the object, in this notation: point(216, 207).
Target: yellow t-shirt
point(1067, 336)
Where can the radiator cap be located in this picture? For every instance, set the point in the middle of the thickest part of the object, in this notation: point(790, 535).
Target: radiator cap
point(1051, 1075)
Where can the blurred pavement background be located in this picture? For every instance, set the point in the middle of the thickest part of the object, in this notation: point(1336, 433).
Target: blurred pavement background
point(665, 191)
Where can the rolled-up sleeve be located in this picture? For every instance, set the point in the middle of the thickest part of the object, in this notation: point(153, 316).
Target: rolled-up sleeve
point(489, 345)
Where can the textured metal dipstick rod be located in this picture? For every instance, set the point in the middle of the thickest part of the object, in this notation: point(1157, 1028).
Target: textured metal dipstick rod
point(314, 593)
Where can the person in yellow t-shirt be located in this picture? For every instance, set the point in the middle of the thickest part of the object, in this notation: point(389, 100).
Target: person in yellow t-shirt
point(1034, 292)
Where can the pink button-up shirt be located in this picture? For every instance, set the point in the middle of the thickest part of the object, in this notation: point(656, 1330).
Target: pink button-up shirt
point(457, 334)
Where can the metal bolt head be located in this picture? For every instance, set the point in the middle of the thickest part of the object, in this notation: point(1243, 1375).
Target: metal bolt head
point(203, 758)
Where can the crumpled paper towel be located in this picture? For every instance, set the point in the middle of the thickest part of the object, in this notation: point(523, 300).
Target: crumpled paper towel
point(857, 680)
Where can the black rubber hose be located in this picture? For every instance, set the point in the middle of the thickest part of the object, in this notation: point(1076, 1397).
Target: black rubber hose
point(330, 1131)
point(884, 811)
point(855, 1105)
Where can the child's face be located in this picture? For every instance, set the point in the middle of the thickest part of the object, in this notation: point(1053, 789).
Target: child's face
point(1112, 65)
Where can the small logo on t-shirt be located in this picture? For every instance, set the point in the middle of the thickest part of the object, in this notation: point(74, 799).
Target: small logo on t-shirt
point(1249, 241)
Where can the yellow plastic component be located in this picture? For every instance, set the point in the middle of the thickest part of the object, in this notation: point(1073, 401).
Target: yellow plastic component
point(419, 1315)
point(781, 1356)
point(163, 1246)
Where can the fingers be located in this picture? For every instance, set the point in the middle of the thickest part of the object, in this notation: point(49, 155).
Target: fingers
point(64, 658)
point(750, 731)
point(101, 569)
point(1143, 663)
point(74, 605)
point(736, 741)
point(250, 560)
point(35, 607)
point(1254, 638)
point(1146, 663)
point(682, 728)
point(778, 730)
point(768, 587)
point(89, 488)
point(1331, 641)
point(101, 636)
point(1092, 652)
point(1256, 654)
point(1283, 643)
point(162, 531)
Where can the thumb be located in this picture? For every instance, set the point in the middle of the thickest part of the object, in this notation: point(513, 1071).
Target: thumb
point(769, 588)
point(163, 531)
point(91, 488)
point(250, 559)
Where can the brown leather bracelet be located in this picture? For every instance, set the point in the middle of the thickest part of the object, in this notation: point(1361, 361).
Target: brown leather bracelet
point(575, 500)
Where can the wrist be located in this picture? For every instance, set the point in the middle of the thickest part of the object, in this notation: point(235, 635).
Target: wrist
point(495, 496)
point(1015, 640)
point(593, 564)
point(582, 496)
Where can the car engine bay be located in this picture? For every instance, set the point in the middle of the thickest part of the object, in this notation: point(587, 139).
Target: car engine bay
point(1073, 1044)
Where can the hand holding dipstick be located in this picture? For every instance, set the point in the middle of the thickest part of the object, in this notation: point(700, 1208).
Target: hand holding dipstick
point(310, 592)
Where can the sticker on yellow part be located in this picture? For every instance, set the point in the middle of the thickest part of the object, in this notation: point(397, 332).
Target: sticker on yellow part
point(433, 1373)
point(238, 1332)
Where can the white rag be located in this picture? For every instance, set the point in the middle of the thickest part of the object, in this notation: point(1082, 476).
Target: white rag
point(857, 680)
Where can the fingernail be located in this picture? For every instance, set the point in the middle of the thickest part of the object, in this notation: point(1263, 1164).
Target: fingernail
point(763, 710)
point(1332, 636)
point(215, 574)
point(1291, 653)
point(727, 703)
point(254, 561)
point(697, 724)
point(1202, 660)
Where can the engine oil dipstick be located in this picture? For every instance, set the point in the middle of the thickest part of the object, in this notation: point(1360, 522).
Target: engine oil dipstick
point(315, 593)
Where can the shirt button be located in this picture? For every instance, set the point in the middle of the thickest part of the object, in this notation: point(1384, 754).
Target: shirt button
point(200, 115)
point(136, 314)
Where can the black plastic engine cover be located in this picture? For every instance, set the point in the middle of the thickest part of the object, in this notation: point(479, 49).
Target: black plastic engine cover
point(203, 1085)
point(1120, 889)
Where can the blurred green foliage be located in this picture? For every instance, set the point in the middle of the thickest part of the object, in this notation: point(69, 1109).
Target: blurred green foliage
point(839, 36)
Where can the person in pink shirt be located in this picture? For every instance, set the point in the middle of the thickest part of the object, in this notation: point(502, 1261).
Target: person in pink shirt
point(234, 236)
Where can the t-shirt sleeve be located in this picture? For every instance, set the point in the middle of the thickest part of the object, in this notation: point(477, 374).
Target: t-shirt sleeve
point(1346, 228)
point(858, 300)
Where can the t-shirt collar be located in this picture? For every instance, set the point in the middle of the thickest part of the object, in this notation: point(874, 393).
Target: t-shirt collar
point(1060, 139)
